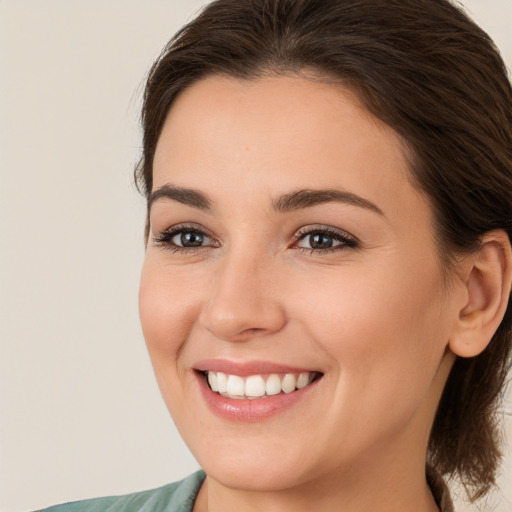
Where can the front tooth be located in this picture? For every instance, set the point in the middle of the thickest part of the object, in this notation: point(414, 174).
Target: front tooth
point(303, 380)
point(212, 380)
point(235, 385)
point(254, 386)
point(289, 382)
point(222, 382)
point(273, 385)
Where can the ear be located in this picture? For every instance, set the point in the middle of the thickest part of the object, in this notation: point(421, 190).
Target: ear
point(487, 280)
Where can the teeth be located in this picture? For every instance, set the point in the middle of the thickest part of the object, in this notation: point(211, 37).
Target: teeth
point(288, 383)
point(254, 386)
point(212, 380)
point(222, 382)
point(235, 386)
point(257, 386)
point(273, 385)
point(303, 380)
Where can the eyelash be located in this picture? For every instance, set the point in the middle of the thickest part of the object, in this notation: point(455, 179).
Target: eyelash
point(164, 239)
point(346, 241)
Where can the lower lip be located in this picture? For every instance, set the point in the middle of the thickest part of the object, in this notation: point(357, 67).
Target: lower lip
point(245, 410)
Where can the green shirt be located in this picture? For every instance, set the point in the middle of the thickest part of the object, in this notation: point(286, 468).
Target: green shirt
point(180, 497)
point(175, 497)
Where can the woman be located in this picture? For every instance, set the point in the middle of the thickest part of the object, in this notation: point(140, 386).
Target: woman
point(325, 294)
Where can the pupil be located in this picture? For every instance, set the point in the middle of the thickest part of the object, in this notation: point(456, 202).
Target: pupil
point(320, 241)
point(191, 239)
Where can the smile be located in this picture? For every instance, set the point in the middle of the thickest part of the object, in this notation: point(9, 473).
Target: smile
point(257, 386)
point(251, 391)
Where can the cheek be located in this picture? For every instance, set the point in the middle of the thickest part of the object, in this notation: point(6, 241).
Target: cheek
point(385, 338)
point(383, 326)
point(168, 309)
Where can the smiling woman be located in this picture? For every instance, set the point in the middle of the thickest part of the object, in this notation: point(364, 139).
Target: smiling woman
point(340, 287)
point(326, 286)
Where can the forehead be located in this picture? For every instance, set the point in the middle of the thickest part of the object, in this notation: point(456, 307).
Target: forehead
point(276, 133)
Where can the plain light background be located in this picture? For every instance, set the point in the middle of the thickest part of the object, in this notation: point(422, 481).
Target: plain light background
point(80, 413)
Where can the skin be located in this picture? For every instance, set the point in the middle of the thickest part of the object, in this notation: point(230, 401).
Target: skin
point(376, 319)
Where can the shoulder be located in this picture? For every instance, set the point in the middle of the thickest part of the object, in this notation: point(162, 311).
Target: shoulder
point(175, 497)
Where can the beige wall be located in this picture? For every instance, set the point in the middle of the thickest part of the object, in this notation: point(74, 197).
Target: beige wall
point(80, 413)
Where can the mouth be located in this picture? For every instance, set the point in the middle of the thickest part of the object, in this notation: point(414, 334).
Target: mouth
point(252, 391)
point(258, 386)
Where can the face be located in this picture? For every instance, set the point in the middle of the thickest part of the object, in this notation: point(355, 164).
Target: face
point(291, 262)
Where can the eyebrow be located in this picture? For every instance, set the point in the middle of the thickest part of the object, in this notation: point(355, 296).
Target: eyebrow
point(186, 196)
point(297, 200)
point(307, 198)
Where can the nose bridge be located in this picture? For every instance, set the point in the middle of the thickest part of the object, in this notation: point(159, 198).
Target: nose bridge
point(243, 301)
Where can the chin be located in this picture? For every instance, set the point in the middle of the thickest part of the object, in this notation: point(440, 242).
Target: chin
point(257, 468)
point(247, 476)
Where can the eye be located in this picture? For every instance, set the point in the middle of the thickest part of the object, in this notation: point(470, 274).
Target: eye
point(182, 238)
point(190, 239)
point(324, 239)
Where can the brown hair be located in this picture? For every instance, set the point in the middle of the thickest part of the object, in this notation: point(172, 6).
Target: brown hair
point(428, 71)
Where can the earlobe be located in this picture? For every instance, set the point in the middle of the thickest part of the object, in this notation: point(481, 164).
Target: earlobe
point(488, 283)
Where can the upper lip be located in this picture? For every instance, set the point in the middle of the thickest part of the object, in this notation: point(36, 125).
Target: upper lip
point(245, 368)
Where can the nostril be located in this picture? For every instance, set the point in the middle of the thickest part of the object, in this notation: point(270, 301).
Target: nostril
point(249, 333)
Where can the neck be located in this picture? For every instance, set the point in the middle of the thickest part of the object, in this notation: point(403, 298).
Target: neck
point(387, 489)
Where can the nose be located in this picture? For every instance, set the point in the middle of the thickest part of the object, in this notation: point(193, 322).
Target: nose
point(244, 300)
